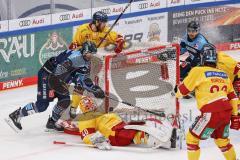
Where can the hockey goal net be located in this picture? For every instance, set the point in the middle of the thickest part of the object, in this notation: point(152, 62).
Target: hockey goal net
point(142, 77)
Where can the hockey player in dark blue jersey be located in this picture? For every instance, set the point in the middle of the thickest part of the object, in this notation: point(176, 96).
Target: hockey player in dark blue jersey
point(53, 77)
point(192, 43)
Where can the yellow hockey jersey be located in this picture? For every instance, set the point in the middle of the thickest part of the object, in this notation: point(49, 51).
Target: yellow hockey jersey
point(84, 32)
point(91, 122)
point(213, 89)
point(228, 65)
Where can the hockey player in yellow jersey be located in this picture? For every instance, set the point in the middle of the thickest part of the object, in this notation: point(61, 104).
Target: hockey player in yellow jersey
point(217, 102)
point(232, 68)
point(106, 130)
point(95, 32)
point(228, 65)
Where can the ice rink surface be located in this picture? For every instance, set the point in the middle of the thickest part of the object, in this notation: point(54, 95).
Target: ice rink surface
point(33, 143)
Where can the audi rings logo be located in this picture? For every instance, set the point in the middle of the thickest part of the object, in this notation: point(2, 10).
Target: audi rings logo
point(106, 10)
point(64, 17)
point(24, 23)
point(143, 5)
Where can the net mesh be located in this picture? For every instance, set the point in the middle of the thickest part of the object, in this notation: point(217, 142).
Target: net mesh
point(143, 76)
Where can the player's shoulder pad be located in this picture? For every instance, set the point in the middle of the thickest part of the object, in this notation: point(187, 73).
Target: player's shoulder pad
point(83, 28)
point(184, 38)
point(196, 70)
point(201, 38)
point(76, 53)
point(106, 29)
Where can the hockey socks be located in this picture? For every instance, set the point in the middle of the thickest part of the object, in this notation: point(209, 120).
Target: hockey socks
point(27, 110)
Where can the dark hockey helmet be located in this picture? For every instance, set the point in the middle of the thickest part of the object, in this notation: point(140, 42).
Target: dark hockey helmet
point(99, 16)
point(209, 54)
point(89, 47)
point(193, 26)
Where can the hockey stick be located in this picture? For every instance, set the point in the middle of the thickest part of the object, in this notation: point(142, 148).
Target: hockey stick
point(125, 148)
point(67, 87)
point(134, 106)
point(129, 3)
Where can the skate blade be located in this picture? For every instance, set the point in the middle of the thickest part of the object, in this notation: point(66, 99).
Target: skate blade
point(11, 125)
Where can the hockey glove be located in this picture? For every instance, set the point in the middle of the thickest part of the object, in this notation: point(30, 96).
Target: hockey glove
point(73, 46)
point(163, 56)
point(183, 45)
point(237, 68)
point(119, 45)
point(185, 64)
point(235, 122)
point(236, 86)
point(72, 88)
point(98, 92)
point(100, 141)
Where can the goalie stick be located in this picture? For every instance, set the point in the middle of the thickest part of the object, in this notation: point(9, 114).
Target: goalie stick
point(134, 106)
point(129, 3)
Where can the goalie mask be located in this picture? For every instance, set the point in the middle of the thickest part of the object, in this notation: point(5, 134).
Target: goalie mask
point(86, 104)
point(209, 55)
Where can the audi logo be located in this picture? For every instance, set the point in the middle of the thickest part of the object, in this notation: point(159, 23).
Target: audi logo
point(143, 5)
point(64, 17)
point(106, 10)
point(24, 23)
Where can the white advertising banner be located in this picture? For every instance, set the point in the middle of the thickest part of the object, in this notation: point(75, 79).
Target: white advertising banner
point(144, 28)
point(3, 26)
point(29, 22)
point(148, 5)
point(221, 0)
point(197, 1)
point(112, 9)
point(173, 3)
point(65, 17)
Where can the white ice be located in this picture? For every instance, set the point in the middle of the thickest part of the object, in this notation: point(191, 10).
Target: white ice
point(33, 143)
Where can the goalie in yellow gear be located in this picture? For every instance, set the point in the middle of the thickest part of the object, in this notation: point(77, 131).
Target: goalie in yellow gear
point(106, 129)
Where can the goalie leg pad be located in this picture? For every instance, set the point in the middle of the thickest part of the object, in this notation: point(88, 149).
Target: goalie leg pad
point(159, 130)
